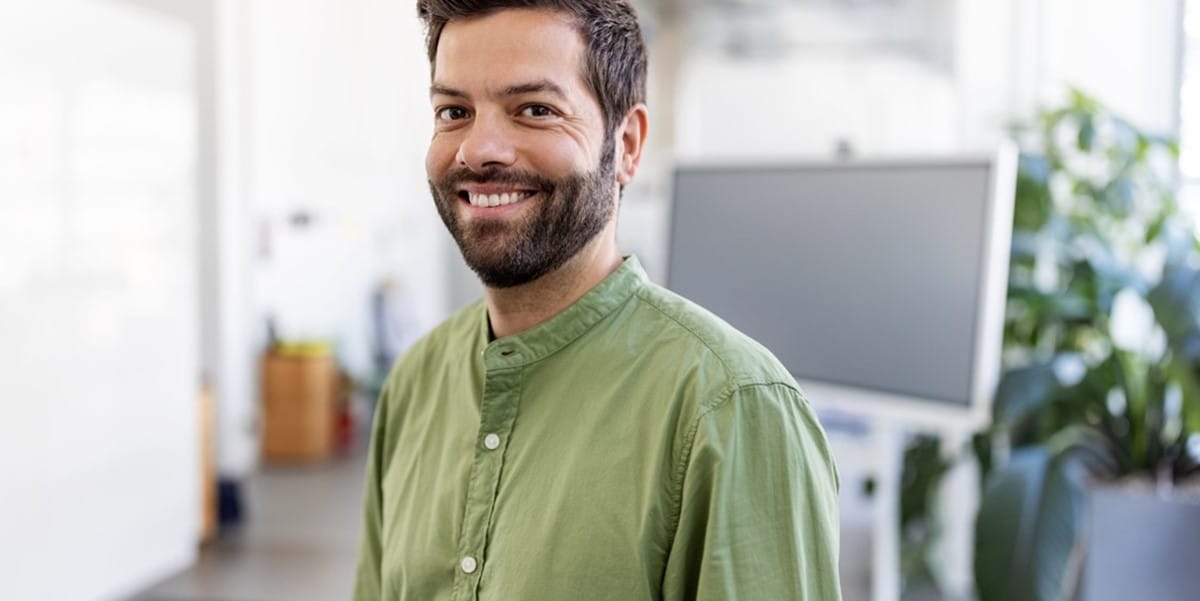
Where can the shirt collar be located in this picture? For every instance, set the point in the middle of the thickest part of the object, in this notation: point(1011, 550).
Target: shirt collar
point(552, 335)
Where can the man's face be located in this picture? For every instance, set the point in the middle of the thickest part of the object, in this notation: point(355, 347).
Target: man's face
point(519, 165)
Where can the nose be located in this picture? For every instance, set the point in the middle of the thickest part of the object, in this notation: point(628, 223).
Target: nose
point(487, 144)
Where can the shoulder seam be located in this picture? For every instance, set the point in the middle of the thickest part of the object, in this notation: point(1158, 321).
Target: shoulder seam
point(735, 380)
point(724, 365)
point(677, 474)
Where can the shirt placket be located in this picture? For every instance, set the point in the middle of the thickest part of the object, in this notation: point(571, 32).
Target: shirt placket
point(501, 393)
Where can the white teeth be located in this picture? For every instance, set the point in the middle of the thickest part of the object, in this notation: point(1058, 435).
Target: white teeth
point(496, 200)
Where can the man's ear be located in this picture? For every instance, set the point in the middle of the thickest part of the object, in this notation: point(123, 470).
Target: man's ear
point(630, 140)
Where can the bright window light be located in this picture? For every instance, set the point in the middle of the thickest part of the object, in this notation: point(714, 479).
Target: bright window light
point(1189, 97)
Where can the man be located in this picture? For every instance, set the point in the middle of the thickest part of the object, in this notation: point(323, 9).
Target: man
point(581, 433)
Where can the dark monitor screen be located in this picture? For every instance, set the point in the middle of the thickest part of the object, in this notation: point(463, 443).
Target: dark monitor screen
point(865, 275)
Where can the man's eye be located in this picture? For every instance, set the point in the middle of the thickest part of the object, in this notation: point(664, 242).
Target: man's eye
point(452, 113)
point(537, 111)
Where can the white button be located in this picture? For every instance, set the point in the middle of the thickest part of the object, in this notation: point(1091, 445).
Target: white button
point(491, 442)
point(468, 564)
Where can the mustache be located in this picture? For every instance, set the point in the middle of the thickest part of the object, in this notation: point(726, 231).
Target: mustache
point(449, 182)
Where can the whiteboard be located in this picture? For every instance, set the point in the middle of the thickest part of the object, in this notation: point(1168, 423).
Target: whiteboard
point(98, 311)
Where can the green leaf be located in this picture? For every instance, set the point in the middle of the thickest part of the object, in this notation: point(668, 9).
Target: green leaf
point(1135, 374)
point(982, 447)
point(1156, 229)
point(1188, 379)
point(1082, 101)
point(1024, 245)
point(923, 468)
point(1034, 203)
point(1070, 305)
point(1087, 401)
point(1118, 197)
point(1024, 391)
point(1171, 145)
point(1087, 134)
point(1176, 304)
point(1029, 530)
point(1101, 277)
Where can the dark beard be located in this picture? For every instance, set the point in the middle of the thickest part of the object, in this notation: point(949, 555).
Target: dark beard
point(572, 211)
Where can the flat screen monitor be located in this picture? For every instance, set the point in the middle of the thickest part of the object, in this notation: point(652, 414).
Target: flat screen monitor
point(882, 280)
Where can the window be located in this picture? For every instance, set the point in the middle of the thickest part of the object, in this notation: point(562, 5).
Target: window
point(1189, 103)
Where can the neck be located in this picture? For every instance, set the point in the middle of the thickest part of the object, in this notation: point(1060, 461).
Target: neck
point(517, 309)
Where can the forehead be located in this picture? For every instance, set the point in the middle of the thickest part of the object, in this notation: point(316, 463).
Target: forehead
point(509, 46)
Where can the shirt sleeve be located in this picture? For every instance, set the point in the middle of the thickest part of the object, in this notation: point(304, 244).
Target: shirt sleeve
point(758, 512)
point(368, 579)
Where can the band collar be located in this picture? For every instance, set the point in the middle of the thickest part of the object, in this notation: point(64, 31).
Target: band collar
point(552, 335)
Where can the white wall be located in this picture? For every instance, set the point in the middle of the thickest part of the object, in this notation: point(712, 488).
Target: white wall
point(338, 122)
point(98, 308)
point(876, 80)
point(804, 105)
point(323, 112)
point(954, 85)
point(1125, 53)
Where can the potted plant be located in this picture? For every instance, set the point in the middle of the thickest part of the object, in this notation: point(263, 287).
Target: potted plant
point(1101, 350)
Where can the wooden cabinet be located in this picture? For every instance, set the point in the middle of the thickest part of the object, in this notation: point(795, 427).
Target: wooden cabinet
point(298, 406)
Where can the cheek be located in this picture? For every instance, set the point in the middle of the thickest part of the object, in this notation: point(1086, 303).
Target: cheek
point(439, 158)
point(561, 155)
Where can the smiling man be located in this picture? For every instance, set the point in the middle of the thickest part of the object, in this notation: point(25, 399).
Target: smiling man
point(580, 433)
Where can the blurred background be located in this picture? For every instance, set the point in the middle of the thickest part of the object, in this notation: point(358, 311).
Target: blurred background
point(216, 236)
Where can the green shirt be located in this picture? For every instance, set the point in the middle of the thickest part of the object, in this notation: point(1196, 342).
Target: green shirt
point(632, 447)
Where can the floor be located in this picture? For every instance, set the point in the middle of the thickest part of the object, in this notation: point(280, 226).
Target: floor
point(300, 539)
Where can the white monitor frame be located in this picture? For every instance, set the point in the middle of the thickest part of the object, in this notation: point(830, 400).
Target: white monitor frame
point(913, 411)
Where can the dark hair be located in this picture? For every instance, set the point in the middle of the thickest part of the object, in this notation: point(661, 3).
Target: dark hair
point(615, 64)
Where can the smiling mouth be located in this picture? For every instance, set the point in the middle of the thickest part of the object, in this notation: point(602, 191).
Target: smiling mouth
point(494, 200)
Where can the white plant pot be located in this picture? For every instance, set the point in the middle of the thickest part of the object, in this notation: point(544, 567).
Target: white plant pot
point(1145, 545)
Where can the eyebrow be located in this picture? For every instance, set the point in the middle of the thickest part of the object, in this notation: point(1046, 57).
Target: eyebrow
point(541, 85)
point(437, 90)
